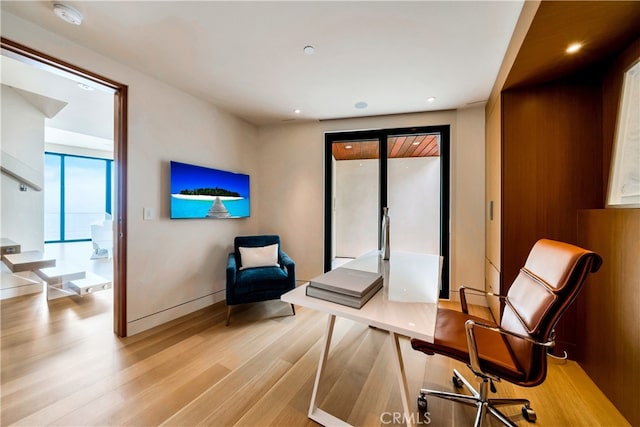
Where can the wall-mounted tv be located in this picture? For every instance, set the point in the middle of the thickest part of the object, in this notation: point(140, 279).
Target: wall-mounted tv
point(201, 192)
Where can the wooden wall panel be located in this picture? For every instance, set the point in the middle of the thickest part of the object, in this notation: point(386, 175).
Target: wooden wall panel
point(551, 168)
point(603, 26)
point(543, 190)
point(608, 307)
point(493, 159)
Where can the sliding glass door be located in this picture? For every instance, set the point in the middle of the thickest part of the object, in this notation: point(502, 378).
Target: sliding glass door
point(413, 191)
point(406, 170)
point(356, 167)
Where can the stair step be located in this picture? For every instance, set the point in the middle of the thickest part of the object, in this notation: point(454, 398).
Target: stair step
point(90, 284)
point(8, 246)
point(28, 260)
point(59, 275)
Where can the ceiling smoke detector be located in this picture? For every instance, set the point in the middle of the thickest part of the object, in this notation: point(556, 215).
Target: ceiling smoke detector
point(67, 13)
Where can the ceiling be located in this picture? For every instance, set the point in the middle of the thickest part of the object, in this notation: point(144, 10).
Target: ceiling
point(247, 57)
point(424, 145)
point(73, 116)
point(603, 27)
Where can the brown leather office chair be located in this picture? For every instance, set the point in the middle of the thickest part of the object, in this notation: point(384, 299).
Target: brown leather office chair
point(515, 350)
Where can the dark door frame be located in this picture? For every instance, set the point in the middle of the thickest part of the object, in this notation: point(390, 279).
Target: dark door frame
point(381, 135)
point(57, 66)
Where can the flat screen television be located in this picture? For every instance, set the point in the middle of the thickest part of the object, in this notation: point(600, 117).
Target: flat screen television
point(201, 192)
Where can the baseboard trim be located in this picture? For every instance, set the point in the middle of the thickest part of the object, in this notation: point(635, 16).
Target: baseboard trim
point(140, 325)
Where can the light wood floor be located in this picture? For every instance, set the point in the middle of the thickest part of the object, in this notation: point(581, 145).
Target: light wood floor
point(61, 365)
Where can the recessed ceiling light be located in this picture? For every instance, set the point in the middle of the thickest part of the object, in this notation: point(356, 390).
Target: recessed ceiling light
point(297, 111)
point(361, 105)
point(415, 143)
point(85, 87)
point(68, 13)
point(431, 99)
point(309, 50)
point(574, 47)
point(348, 147)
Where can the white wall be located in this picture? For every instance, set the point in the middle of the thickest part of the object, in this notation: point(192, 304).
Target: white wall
point(291, 192)
point(174, 267)
point(23, 140)
point(292, 186)
point(467, 203)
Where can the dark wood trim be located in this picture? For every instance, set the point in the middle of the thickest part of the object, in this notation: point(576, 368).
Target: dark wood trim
point(382, 135)
point(120, 238)
point(51, 64)
point(58, 66)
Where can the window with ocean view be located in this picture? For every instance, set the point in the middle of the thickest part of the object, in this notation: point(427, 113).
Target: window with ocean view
point(77, 194)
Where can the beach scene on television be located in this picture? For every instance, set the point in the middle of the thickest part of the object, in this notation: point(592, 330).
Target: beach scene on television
point(202, 192)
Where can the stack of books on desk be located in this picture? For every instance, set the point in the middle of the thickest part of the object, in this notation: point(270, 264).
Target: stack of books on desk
point(345, 286)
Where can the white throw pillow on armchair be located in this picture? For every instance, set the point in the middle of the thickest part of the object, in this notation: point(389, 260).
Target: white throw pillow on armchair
point(263, 256)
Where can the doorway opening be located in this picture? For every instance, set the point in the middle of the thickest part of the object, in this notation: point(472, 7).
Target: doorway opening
point(117, 172)
point(405, 170)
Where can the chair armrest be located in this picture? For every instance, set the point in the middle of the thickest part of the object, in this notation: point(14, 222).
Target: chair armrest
point(287, 263)
point(473, 346)
point(463, 297)
point(231, 269)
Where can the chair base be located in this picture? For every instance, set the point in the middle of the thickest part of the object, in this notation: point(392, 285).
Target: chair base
point(293, 310)
point(480, 400)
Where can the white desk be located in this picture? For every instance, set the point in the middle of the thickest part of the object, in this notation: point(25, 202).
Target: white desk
point(406, 305)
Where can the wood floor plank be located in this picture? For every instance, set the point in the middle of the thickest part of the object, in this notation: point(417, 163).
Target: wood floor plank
point(61, 365)
point(171, 398)
point(84, 387)
point(380, 383)
point(241, 400)
point(284, 349)
point(295, 386)
point(347, 375)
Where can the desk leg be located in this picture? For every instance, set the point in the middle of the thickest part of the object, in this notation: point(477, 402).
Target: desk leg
point(402, 378)
point(316, 413)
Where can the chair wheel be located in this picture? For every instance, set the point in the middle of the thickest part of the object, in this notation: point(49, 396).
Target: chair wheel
point(457, 382)
point(529, 414)
point(422, 403)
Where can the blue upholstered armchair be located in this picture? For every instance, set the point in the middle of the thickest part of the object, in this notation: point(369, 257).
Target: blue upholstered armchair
point(258, 270)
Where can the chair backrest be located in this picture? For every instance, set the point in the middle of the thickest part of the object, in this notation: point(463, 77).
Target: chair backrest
point(253, 242)
point(549, 282)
